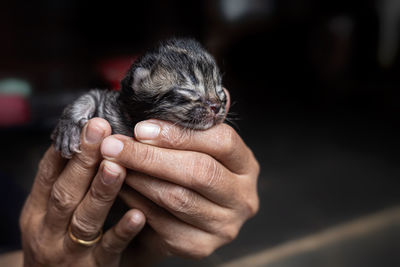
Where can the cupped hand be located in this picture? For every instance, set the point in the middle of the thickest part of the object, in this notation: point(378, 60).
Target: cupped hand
point(196, 188)
point(76, 195)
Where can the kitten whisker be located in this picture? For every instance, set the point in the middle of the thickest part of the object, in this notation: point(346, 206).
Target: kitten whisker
point(233, 103)
point(231, 118)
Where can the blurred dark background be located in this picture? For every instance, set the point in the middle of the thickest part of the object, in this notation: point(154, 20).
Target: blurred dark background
point(315, 86)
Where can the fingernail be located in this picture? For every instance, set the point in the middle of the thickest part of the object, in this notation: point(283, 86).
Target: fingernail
point(145, 130)
point(93, 134)
point(111, 172)
point(135, 220)
point(111, 147)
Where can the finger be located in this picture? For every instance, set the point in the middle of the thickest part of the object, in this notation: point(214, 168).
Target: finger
point(50, 167)
point(178, 238)
point(220, 141)
point(156, 217)
point(116, 239)
point(74, 180)
point(89, 216)
point(183, 203)
point(197, 171)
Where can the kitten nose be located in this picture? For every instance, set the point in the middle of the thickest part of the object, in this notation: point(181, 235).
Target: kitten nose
point(215, 107)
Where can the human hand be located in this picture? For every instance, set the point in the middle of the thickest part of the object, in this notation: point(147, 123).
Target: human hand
point(196, 188)
point(65, 194)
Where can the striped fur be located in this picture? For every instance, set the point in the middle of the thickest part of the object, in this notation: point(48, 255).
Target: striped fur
point(178, 81)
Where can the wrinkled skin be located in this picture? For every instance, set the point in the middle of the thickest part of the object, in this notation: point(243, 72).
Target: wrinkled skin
point(194, 190)
point(79, 193)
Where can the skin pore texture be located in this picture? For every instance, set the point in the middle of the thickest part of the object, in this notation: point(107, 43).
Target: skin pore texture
point(178, 81)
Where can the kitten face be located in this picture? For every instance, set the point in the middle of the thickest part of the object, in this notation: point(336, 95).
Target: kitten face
point(183, 82)
point(191, 109)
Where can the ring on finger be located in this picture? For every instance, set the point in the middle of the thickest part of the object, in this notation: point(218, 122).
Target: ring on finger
point(86, 243)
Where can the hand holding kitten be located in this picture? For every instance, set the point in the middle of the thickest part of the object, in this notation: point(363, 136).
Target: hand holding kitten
point(196, 188)
point(204, 191)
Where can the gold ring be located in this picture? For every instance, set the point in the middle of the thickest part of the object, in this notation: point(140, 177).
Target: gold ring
point(84, 242)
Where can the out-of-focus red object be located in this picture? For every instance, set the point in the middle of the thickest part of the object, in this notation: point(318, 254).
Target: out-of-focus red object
point(113, 70)
point(14, 110)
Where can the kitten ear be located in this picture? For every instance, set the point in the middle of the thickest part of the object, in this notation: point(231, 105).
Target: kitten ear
point(138, 75)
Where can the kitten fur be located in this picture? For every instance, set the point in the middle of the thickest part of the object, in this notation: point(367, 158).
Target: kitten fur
point(178, 81)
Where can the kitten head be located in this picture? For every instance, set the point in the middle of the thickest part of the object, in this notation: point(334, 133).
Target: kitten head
point(180, 82)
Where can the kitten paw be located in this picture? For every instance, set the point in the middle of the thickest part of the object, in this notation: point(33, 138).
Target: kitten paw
point(66, 138)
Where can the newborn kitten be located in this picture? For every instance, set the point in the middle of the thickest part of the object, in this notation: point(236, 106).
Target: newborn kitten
point(178, 81)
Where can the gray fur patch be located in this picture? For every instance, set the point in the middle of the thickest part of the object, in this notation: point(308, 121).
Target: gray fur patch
point(179, 81)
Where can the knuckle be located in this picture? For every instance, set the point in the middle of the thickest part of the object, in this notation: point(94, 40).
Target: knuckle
point(45, 172)
point(144, 155)
point(63, 201)
point(83, 227)
point(179, 200)
point(206, 172)
point(114, 245)
point(111, 247)
point(229, 233)
point(44, 165)
point(38, 252)
point(85, 161)
point(101, 197)
point(194, 249)
point(201, 253)
point(176, 136)
point(229, 140)
point(251, 206)
point(173, 247)
point(255, 206)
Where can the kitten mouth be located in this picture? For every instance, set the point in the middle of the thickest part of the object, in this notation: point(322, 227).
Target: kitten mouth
point(216, 118)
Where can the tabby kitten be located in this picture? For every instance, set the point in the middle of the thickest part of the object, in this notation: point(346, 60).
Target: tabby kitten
point(178, 81)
